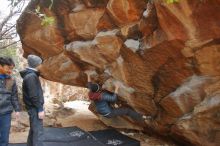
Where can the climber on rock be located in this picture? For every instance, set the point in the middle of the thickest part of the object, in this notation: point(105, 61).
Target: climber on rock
point(103, 100)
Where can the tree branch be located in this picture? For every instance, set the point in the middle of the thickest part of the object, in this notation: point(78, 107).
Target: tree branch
point(5, 32)
point(7, 27)
point(5, 46)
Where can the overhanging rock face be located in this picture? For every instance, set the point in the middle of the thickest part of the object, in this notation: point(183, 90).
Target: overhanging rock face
point(167, 56)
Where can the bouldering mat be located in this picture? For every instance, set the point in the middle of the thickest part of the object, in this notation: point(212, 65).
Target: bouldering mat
point(82, 142)
point(74, 136)
point(64, 134)
point(18, 144)
point(112, 137)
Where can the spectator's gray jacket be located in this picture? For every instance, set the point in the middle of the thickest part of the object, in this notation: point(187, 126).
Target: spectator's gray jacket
point(8, 95)
point(32, 90)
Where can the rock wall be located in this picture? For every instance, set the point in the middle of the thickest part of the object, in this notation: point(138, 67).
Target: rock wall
point(167, 57)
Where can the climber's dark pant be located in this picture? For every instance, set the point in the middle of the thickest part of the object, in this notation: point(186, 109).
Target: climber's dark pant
point(125, 111)
point(35, 137)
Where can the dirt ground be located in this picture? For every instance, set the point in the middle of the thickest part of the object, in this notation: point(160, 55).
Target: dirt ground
point(75, 114)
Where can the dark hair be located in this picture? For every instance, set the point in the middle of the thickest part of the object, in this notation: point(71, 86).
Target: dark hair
point(6, 61)
point(10, 61)
point(94, 87)
point(3, 61)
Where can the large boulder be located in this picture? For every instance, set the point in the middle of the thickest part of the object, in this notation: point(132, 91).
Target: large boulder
point(166, 57)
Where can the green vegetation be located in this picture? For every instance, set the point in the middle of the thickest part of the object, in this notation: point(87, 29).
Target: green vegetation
point(166, 1)
point(45, 20)
point(10, 52)
point(171, 1)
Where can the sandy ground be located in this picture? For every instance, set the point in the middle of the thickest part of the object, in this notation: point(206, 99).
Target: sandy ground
point(80, 116)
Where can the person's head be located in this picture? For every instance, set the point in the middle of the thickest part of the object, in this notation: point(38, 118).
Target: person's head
point(11, 65)
point(6, 65)
point(94, 87)
point(34, 61)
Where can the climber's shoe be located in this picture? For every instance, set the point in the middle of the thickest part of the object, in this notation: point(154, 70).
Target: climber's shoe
point(147, 119)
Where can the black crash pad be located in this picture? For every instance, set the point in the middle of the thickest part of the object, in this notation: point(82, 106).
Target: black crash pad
point(74, 136)
point(82, 142)
point(17, 144)
point(68, 134)
point(112, 137)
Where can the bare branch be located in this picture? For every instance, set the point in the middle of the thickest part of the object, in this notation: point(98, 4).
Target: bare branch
point(5, 20)
point(5, 46)
point(7, 27)
point(6, 30)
